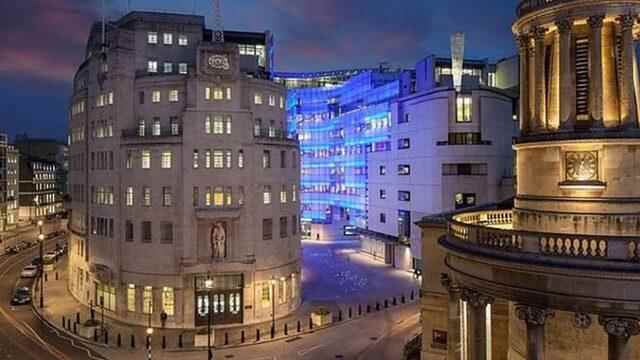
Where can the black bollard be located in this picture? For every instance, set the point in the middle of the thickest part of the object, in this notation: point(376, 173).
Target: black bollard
point(226, 338)
point(350, 314)
point(119, 340)
point(368, 308)
point(411, 296)
point(299, 327)
point(180, 341)
point(45, 277)
point(359, 309)
point(402, 299)
point(75, 328)
point(377, 306)
point(339, 315)
point(133, 341)
point(242, 337)
point(95, 335)
point(257, 335)
point(78, 317)
point(69, 324)
point(394, 302)
point(273, 332)
point(386, 303)
point(56, 275)
point(106, 337)
point(64, 322)
point(310, 324)
point(286, 332)
point(164, 342)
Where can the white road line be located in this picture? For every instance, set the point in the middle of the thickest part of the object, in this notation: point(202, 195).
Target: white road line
point(314, 348)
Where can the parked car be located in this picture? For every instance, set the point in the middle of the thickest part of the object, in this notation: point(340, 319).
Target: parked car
point(25, 244)
point(29, 271)
point(12, 250)
point(36, 261)
point(21, 296)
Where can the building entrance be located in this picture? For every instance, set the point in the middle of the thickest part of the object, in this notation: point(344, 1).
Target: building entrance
point(224, 300)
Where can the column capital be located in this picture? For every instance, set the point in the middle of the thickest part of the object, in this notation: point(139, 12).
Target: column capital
point(539, 32)
point(564, 25)
point(475, 298)
point(626, 21)
point(448, 283)
point(533, 315)
point(595, 21)
point(582, 320)
point(620, 326)
point(524, 41)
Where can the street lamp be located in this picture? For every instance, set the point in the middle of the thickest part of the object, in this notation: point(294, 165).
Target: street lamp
point(41, 241)
point(149, 333)
point(273, 305)
point(209, 285)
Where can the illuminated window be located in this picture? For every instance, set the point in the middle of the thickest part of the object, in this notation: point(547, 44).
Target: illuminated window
point(167, 196)
point(131, 297)
point(183, 40)
point(404, 195)
point(241, 159)
point(228, 158)
point(147, 300)
point(207, 93)
point(218, 159)
point(463, 108)
point(464, 200)
point(404, 170)
point(168, 300)
point(173, 96)
point(228, 91)
point(281, 102)
point(129, 196)
point(272, 100)
point(228, 199)
point(241, 195)
point(294, 193)
point(146, 196)
point(155, 129)
point(404, 143)
point(155, 96)
point(168, 39)
point(218, 125)
point(283, 194)
point(266, 194)
point(207, 125)
point(266, 159)
point(195, 159)
point(146, 159)
point(218, 196)
point(218, 93)
point(207, 159)
point(152, 66)
point(266, 293)
point(383, 194)
point(182, 68)
point(207, 196)
point(168, 67)
point(152, 37)
point(257, 99)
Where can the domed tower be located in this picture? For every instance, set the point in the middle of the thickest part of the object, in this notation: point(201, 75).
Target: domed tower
point(564, 261)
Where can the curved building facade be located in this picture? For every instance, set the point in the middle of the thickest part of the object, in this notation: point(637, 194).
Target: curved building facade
point(181, 172)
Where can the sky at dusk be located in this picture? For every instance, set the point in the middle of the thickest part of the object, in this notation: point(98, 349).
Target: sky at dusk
point(43, 41)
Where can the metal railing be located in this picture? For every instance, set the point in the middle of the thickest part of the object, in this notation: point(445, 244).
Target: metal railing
point(150, 132)
point(527, 6)
point(487, 229)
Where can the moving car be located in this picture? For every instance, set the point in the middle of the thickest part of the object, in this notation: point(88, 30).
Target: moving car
point(29, 271)
point(21, 296)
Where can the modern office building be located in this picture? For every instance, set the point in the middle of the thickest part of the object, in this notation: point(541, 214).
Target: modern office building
point(554, 276)
point(47, 149)
point(180, 173)
point(38, 189)
point(9, 168)
point(450, 149)
point(338, 127)
point(298, 80)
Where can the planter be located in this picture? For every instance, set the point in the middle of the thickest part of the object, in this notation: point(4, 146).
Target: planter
point(321, 317)
point(200, 340)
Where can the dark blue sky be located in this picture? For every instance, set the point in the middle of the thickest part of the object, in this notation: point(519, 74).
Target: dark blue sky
point(44, 41)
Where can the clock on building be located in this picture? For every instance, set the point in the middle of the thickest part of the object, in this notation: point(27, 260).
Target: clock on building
point(581, 165)
point(219, 62)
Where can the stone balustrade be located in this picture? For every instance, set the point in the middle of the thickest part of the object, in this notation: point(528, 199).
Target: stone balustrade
point(527, 6)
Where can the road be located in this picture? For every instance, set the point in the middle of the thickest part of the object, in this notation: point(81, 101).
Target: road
point(22, 335)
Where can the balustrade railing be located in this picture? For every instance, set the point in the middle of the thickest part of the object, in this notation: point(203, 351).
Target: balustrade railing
point(527, 6)
point(482, 229)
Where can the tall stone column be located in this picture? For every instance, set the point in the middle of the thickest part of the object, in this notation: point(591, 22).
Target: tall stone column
point(619, 331)
point(539, 115)
point(477, 324)
point(535, 318)
point(567, 77)
point(454, 344)
point(627, 94)
point(610, 96)
point(595, 67)
point(525, 113)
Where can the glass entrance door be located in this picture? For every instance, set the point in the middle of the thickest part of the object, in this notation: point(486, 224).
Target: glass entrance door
point(224, 301)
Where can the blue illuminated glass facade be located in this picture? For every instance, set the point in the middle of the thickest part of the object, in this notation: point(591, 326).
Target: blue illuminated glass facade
point(338, 127)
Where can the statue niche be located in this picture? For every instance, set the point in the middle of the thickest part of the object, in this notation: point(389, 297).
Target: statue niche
point(218, 240)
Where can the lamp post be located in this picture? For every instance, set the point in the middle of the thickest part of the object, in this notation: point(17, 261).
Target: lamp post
point(41, 241)
point(149, 331)
point(273, 305)
point(209, 285)
point(102, 314)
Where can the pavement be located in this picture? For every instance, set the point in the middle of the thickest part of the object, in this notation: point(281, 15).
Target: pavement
point(334, 276)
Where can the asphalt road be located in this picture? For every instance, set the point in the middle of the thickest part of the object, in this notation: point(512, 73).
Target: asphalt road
point(22, 335)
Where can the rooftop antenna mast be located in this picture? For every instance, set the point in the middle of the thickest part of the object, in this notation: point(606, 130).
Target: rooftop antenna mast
point(218, 28)
point(104, 25)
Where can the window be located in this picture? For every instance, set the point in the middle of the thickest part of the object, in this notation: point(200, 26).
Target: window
point(218, 125)
point(207, 159)
point(404, 224)
point(272, 100)
point(283, 159)
point(404, 169)
point(173, 96)
point(146, 231)
point(218, 93)
point(463, 108)
point(146, 159)
point(228, 200)
point(281, 102)
point(228, 155)
point(155, 96)
point(283, 227)
point(182, 68)
point(294, 225)
point(464, 169)
point(131, 298)
point(207, 125)
point(155, 130)
point(257, 99)
point(267, 229)
point(241, 195)
point(166, 232)
point(266, 294)
point(141, 97)
point(383, 218)
point(240, 159)
point(152, 66)
point(294, 193)
point(266, 194)
point(294, 160)
point(147, 300)
point(464, 200)
point(218, 196)
point(110, 98)
point(207, 196)
point(183, 40)
point(404, 195)
point(266, 159)
point(152, 37)
point(129, 196)
point(382, 170)
point(146, 196)
point(283, 194)
point(168, 301)
point(168, 68)
point(141, 128)
point(175, 126)
point(167, 196)
point(168, 39)
point(467, 138)
point(128, 231)
point(383, 194)
point(218, 159)
point(196, 196)
point(404, 143)
point(404, 119)
point(195, 159)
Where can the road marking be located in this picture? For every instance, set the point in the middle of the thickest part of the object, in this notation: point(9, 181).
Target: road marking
point(313, 348)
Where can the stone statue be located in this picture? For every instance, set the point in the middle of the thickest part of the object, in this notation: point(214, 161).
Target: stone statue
point(218, 241)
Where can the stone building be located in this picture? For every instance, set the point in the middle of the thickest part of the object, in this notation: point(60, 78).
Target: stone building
point(555, 276)
point(9, 167)
point(48, 149)
point(180, 172)
point(38, 194)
